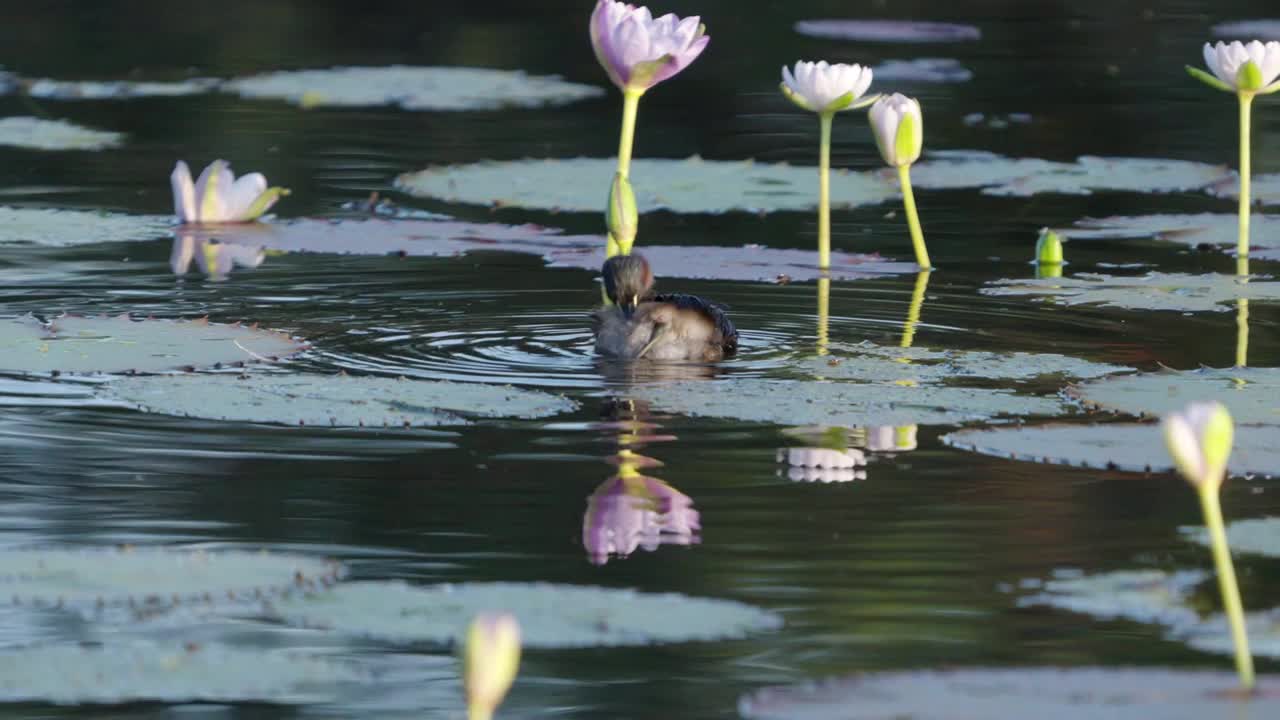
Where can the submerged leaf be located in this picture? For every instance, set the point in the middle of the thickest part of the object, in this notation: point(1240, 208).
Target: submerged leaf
point(88, 345)
point(333, 400)
point(1131, 448)
point(1144, 596)
point(413, 88)
point(1251, 394)
point(1017, 694)
point(1175, 292)
point(40, 134)
point(550, 616)
point(61, 228)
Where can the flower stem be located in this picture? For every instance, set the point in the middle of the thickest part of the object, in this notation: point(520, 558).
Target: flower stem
point(1242, 332)
point(913, 312)
point(824, 313)
point(1227, 581)
point(630, 104)
point(913, 218)
point(824, 192)
point(1246, 103)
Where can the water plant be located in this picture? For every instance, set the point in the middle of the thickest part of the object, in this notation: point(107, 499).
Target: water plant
point(638, 51)
point(218, 197)
point(1049, 256)
point(1247, 70)
point(1199, 439)
point(898, 126)
point(491, 659)
point(826, 90)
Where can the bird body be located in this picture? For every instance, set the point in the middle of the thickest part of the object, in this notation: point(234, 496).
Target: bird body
point(641, 325)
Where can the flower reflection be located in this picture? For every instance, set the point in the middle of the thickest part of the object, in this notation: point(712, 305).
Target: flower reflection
point(824, 465)
point(215, 259)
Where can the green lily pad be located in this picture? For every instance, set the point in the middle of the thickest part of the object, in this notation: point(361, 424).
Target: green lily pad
point(1106, 693)
point(1256, 536)
point(550, 616)
point(147, 578)
point(332, 400)
point(1024, 177)
point(63, 228)
point(39, 134)
point(866, 362)
point(88, 345)
point(1176, 292)
point(844, 404)
point(1251, 394)
point(692, 185)
point(144, 672)
point(1143, 596)
point(750, 263)
point(49, 89)
point(413, 88)
point(1130, 448)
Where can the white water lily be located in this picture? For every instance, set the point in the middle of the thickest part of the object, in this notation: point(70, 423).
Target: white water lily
point(1230, 63)
point(898, 126)
point(823, 88)
point(218, 197)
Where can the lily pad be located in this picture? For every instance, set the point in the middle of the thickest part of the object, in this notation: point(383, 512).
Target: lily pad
point(1016, 694)
point(63, 228)
point(550, 616)
point(1024, 177)
point(1251, 394)
point(333, 400)
point(49, 89)
point(1175, 292)
point(153, 577)
point(869, 362)
point(413, 88)
point(1214, 634)
point(39, 134)
point(692, 185)
point(783, 402)
point(1131, 448)
point(1143, 596)
point(1256, 536)
point(888, 30)
point(1248, 30)
point(926, 70)
point(750, 263)
point(1217, 229)
point(119, 344)
point(143, 672)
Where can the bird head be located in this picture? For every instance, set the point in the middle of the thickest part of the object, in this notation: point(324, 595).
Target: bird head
point(627, 279)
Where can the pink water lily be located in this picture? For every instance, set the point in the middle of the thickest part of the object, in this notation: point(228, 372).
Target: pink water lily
point(218, 197)
point(639, 51)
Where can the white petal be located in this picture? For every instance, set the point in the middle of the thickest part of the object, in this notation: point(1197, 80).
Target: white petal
point(184, 192)
point(209, 205)
point(242, 194)
point(1211, 61)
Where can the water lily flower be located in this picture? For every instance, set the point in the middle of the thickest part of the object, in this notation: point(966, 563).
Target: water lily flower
point(491, 659)
point(639, 51)
point(1199, 439)
point(218, 197)
point(826, 89)
point(898, 126)
point(1248, 70)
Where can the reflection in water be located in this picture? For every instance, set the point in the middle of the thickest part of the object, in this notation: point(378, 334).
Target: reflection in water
point(215, 259)
point(631, 510)
point(825, 465)
point(914, 310)
point(824, 314)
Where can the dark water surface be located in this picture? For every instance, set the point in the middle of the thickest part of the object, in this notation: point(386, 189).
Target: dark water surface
point(904, 569)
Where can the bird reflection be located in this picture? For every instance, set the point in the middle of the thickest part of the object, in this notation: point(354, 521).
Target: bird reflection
point(631, 510)
point(215, 259)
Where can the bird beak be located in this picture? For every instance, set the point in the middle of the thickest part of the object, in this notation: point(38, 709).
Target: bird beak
point(629, 306)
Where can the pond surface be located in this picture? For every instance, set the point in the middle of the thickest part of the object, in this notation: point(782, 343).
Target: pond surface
point(909, 568)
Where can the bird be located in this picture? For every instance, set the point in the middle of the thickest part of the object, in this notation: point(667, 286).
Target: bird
point(642, 325)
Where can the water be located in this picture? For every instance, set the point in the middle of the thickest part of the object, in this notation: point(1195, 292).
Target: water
point(905, 569)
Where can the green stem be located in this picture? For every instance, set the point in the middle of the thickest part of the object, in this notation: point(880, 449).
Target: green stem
point(913, 218)
point(479, 713)
point(630, 104)
point(1246, 102)
point(1227, 581)
point(1242, 332)
point(824, 192)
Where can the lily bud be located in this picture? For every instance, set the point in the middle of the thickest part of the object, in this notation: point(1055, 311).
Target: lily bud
point(622, 217)
point(1199, 439)
point(492, 657)
point(898, 126)
point(1049, 248)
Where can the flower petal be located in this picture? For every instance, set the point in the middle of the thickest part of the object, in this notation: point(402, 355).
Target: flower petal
point(184, 192)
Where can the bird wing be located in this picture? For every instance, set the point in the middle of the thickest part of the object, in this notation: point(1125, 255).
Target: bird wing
point(714, 312)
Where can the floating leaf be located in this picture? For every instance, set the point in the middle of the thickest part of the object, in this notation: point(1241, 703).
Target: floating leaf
point(840, 404)
point(413, 88)
point(751, 263)
point(1258, 536)
point(550, 616)
point(868, 362)
point(153, 577)
point(137, 672)
point(61, 228)
point(1153, 291)
point(888, 30)
point(1220, 230)
point(1132, 448)
point(1248, 30)
point(1144, 596)
point(693, 185)
point(49, 89)
point(1251, 394)
point(333, 400)
point(1017, 694)
point(928, 70)
point(953, 169)
point(1024, 177)
point(119, 344)
point(1214, 634)
point(39, 134)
